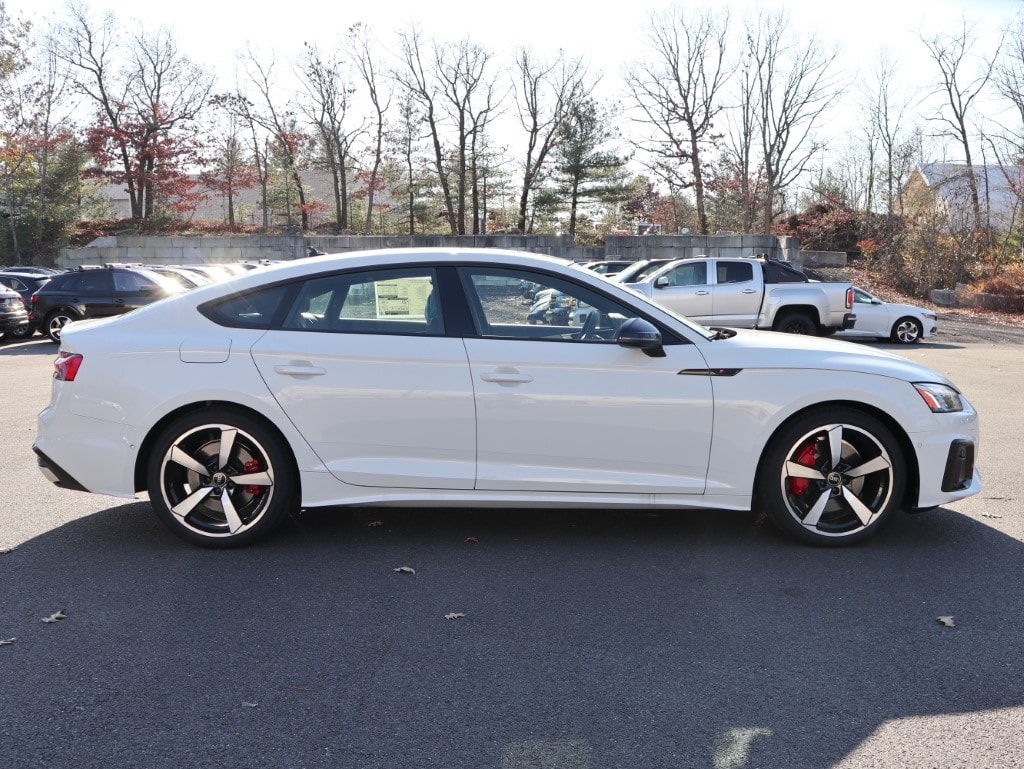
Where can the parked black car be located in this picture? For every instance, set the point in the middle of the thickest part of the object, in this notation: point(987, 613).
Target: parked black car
point(95, 293)
point(26, 284)
point(13, 317)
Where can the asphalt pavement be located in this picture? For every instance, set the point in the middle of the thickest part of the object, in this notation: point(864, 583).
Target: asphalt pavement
point(524, 639)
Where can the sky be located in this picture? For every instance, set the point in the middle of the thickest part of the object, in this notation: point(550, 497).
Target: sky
point(211, 32)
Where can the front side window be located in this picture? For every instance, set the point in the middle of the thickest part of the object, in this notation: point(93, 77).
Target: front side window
point(693, 274)
point(398, 301)
point(519, 304)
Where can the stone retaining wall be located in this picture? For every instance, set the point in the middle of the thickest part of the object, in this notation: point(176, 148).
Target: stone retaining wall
point(198, 249)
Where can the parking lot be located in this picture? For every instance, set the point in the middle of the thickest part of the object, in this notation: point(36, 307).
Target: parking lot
point(577, 640)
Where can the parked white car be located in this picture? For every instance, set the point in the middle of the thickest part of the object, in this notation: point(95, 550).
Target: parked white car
point(900, 323)
point(414, 377)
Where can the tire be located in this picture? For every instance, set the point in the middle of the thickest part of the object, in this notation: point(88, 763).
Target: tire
point(189, 481)
point(18, 334)
point(56, 321)
point(906, 331)
point(833, 477)
point(797, 323)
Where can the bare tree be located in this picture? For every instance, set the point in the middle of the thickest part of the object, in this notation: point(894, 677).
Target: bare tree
point(278, 120)
point(147, 96)
point(677, 91)
point(960, 86)
point(363, 46)
point(887, 110)
point(545, 94)
point(327, 103)
point(417, 77)
point(469, 98)
point(795, 88)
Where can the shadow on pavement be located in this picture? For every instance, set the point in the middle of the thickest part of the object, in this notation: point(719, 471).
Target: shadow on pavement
point(589, 639)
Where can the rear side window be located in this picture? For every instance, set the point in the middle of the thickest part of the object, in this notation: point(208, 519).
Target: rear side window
point(735, 272)
point(252, 309)
point(391, 301)
point(91, 281)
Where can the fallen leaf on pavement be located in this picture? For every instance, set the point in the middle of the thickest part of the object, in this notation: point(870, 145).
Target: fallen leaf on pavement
point(57, 616)
point(454, 615)
point(947, 621)
point(471, 541)
point(405, 570)
point(7, 641)
point(250, 704)
point(371, 524)
point(990, 515)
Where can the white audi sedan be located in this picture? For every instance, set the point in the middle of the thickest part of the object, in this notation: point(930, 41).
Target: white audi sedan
point(414, 377)
point(899, 323)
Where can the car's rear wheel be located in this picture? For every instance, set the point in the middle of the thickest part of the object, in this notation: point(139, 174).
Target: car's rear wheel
point(56, 321)
point(832, 477)
point(221, 478)
point(906, 331)
point(797, 323)
point(21, 332)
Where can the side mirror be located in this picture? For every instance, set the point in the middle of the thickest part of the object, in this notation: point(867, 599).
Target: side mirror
point(642, 335)
point(661, 282)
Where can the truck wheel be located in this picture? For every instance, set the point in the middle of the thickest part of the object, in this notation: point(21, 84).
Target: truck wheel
point(796, 323)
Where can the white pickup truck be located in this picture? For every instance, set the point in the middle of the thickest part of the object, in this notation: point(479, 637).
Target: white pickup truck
point(750, 293)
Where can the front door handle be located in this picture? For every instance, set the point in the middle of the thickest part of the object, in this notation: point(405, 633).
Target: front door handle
point(300, 370)
point(506, 376)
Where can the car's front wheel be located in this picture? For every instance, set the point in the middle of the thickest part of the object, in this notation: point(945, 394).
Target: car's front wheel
point(56, 321)
point(832, 477)
point(221, 478)
point(906, 331)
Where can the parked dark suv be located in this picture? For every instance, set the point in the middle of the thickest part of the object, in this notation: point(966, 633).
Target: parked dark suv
point(13, 318)
point(95, 293)
point(26, 284)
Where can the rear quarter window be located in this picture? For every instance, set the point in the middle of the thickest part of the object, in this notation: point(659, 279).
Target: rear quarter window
point(252, 309)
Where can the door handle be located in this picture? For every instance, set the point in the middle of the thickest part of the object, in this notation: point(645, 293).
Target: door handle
point(750, 291)
point(506, 376)
point(300, 370)
point(701, 293)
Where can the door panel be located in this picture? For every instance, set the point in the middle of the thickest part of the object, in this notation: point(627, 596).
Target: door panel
point(564, 416)
point(565, 408)
point(364, 372)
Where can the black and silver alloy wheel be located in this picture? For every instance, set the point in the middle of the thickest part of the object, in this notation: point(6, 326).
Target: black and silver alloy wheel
point(906, 331)
point(833, 478)
point(55, 323)
point(218, 482)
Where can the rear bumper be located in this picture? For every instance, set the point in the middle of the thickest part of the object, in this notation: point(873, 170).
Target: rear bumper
point(849, 321)
point(56, 474)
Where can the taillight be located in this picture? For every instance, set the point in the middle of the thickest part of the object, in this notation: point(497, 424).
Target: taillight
point(849, 298)
point(65, 368)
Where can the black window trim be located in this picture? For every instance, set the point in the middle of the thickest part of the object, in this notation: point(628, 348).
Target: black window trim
point(455, 308)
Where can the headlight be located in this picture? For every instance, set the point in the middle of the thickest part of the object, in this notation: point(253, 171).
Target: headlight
point(929, 315)
point(940, 398)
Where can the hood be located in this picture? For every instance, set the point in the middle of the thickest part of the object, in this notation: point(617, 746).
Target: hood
point(770, 349)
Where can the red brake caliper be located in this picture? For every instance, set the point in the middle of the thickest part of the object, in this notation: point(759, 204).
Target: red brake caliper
point(805, 457)
point(252, 466)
